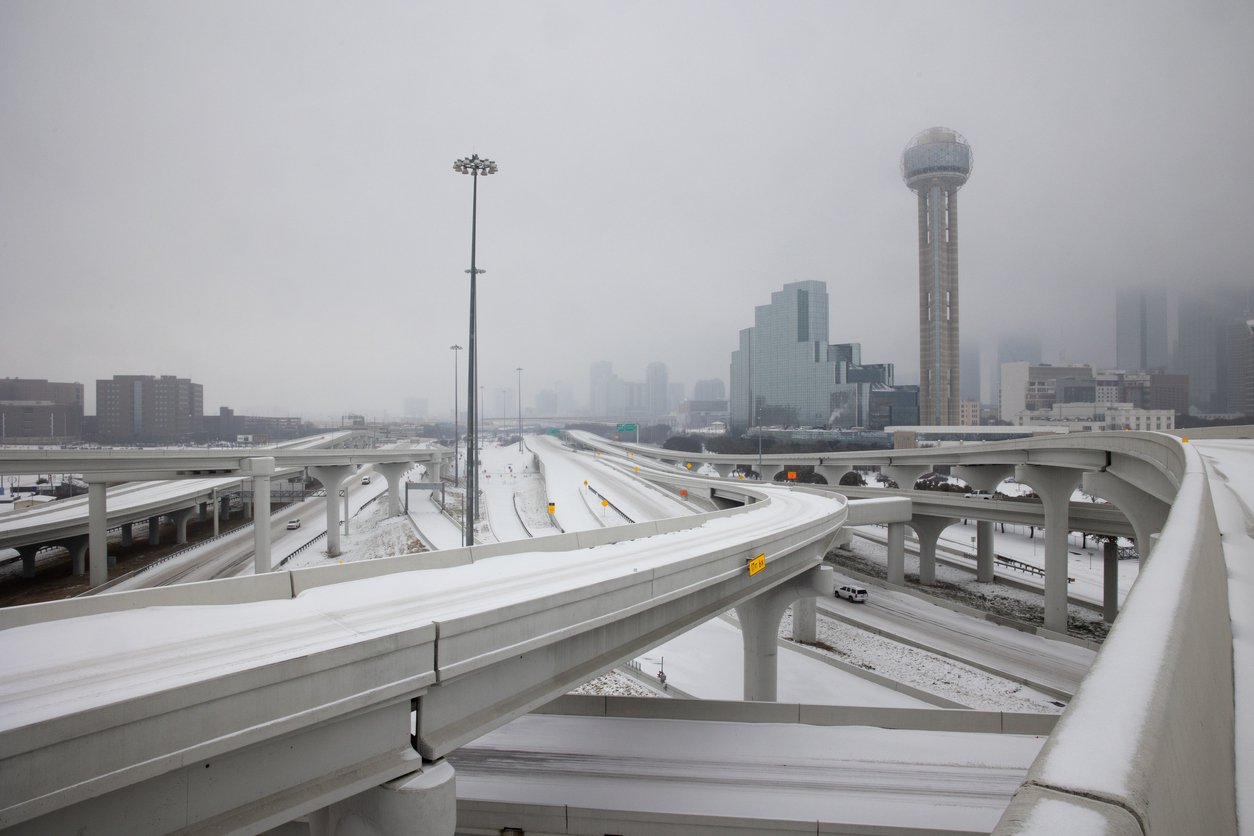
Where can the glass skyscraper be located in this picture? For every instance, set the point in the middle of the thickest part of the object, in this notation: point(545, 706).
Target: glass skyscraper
point(785, 374)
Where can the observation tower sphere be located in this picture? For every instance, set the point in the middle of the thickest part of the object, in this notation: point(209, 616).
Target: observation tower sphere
point(934, 166)
point(937, 154)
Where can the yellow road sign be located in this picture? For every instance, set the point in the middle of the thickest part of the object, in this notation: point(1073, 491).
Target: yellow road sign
point(757, 564)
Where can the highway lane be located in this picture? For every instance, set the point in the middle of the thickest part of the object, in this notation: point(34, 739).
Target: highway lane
point(1057, 665)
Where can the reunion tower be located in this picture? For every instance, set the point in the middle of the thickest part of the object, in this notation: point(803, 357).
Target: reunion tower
point(935, 165)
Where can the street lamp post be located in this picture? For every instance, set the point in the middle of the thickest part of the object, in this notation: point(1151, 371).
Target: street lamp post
point(520, 444)
point(475, 166)
point(456, 430)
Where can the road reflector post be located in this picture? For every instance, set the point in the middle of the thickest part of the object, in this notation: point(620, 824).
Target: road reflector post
point(605, 503)
point(757, 564)
point(552, 507)
point(683, 492)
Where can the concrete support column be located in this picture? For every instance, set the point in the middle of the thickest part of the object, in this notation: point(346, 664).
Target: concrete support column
point(422, 803)
point(1146, 513)
point(1054, 485)
point(202, 511)
point(897, 553)
point(723, 470)
point(330, 477)
point(983, 477)
point(434, 468)
point(216, 503)
point(262, 471)
point(833, 473)
point(154, 531)
point(78, 554)
point(128, 534)
point(928, 530)
point(759, 628)
point(98, 532)
point(28, 559)
point(1110, 581)
point(224, 505)
point(181, 518)
point(984, 551)
point(393, 472)
point(805, 620)
point(905, 475)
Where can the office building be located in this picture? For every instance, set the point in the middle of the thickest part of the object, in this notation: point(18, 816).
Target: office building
point(657, 390)
point(785, 374)
point(711, 389)
point(1211, 348)
point(143, 409)
point(40, 412)
point(1141, 329)
point(935, 165)
point(1033, 387)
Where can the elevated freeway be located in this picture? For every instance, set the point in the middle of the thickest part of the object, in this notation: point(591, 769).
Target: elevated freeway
point(310, 676)
point(276, 695)
point(151, 483)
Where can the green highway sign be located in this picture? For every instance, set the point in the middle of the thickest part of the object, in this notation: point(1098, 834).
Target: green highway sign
point(626, 428)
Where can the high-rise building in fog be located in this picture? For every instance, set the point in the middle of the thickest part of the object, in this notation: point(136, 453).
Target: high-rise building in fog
point(711, 389)
point(657, 394)
point(1211, 347)
point(1141, 329)
point(785, 373)
point(935, 164)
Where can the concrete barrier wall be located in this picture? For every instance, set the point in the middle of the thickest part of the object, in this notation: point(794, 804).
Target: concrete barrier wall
point(1150, 733)
point(728, 711)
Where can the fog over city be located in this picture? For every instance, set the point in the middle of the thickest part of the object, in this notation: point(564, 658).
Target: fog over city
point(260, 196)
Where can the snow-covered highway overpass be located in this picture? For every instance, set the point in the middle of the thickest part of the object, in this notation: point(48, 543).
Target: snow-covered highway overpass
point(241, 704)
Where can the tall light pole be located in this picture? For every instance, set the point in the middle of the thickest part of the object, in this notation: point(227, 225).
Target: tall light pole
point(456, 431)
point(475, 166)
point(520, 444)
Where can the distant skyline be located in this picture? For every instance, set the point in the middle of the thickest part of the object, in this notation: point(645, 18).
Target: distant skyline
point(260, 197)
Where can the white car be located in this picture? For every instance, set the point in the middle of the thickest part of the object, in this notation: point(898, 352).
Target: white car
point(851, 593)
point(292, 525)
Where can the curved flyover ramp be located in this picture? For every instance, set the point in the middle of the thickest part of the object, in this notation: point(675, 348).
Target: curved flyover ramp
point(241, 704)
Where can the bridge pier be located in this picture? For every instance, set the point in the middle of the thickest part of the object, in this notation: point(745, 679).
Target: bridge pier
point(905, 475)
point(434, 468)
point(393, 471)
point(805, 620)
point(983, 477)
point(422, 803)
point(759, 628)
point(202, 511)
point(28, 559)
point(1146, 513)
point(78, 554)
point(928, 530)
point(128, 534)
point(724, 470)
point(98, 532)
point(330, 477)
point(154, 530)
point(262, 471)
point(1054, 485)
point(1110, 580)
point(180, 518)
point(833, 473)
point(984, 550)
point(897, 553)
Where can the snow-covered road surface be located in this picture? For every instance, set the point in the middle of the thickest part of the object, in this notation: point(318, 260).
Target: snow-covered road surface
point(855, 775)
point(1057, 665)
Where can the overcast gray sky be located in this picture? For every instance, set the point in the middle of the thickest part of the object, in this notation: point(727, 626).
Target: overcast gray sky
point(260, 195)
